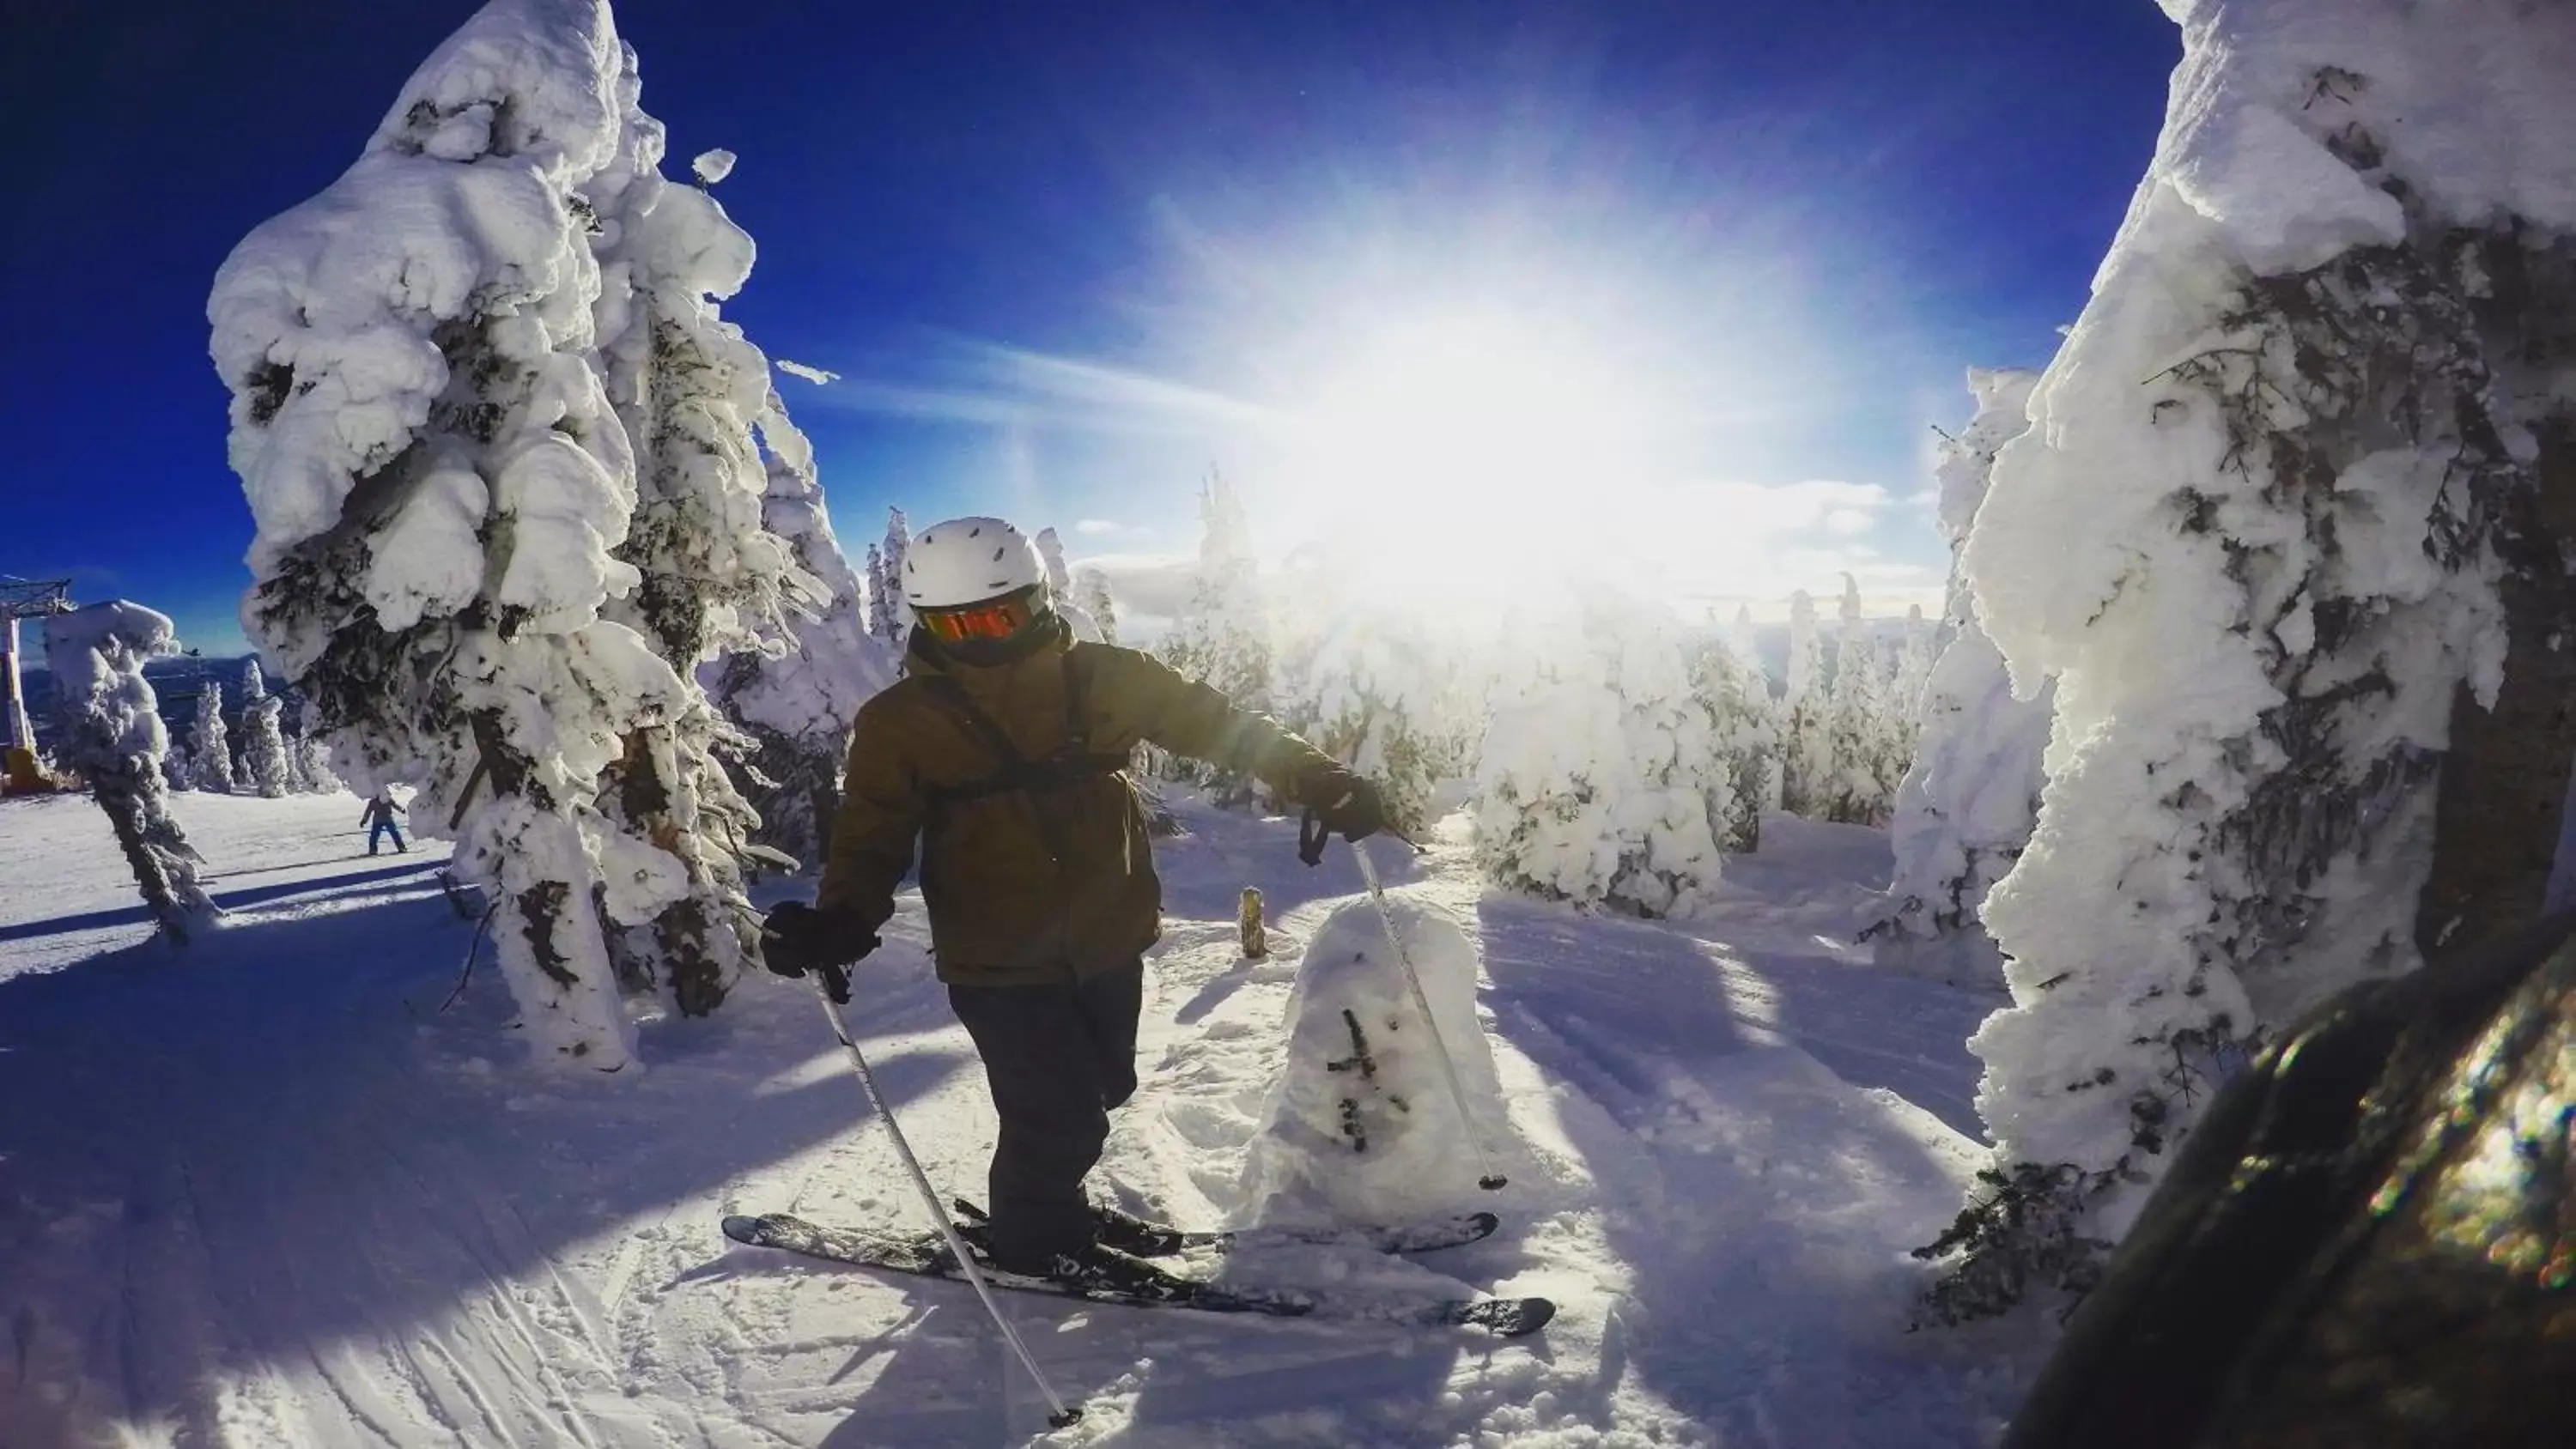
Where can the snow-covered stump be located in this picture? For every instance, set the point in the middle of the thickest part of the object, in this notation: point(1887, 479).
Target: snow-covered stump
point(1360, 1129)
point(111, 733)
point(2281, 489)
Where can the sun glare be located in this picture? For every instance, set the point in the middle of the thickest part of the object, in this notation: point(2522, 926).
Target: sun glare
point(1472, 445)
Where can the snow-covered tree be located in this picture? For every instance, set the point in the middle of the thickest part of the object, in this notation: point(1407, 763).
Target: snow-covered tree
point(1807, 744)
point(1051, 553)
point(1965, 809)
point(1743, 729)
point(109, 730)
point(1863, 738)
point(1598, 773)
point(1091, 594)
point(439, 478)
point(264, 763)
point(1224, 637)
point(2278, 532)
point(174, 768)
point(689, 387)
point(888, 614)
point(313, 757)
point(254, 684)
point(210, 756)
point(798, 705)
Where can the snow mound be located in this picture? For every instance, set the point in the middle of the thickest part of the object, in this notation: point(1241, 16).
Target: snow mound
point(1359, 1128)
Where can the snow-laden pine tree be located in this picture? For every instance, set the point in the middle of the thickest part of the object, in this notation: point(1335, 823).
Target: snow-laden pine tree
point(1743, 730)
point(1859, 724)
point(1066, 602)
point(1805, 708)
point(439, 479)
point(210, 755)
point(2287, 529)
point(888, 614)
point(265, 768)
point(1965, 809)
point(1597, 773)
point(1091, 594)
point(1224, 635)
point(175, 771)
point(689, 388)
point(313, 755)
point(109, 730)
point(797, 705)
point(1382, 696)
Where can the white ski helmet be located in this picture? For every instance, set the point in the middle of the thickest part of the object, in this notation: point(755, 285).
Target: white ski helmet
point(967, 561)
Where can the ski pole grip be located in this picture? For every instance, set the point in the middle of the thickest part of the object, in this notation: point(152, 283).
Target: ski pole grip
point(1312, 835)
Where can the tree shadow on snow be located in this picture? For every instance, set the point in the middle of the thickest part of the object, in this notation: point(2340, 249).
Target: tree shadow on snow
point(271, 1144)
point(230, 900)
point(1763, 1204)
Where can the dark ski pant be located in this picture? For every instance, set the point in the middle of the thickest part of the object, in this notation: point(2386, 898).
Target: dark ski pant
point(1058, 1059)
point(380, 831)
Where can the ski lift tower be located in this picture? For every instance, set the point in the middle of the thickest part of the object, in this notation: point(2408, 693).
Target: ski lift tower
point(23, 599)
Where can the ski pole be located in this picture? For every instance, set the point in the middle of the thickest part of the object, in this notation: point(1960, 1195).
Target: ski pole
point(1487, 1178)
point(832, 987)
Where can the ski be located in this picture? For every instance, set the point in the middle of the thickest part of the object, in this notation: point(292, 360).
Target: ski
point(1154, 1240)
point(926, 1255)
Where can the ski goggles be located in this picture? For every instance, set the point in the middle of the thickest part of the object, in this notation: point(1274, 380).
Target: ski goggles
point(993, 619)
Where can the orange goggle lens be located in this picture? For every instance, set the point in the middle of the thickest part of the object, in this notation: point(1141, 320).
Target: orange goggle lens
point(999, 619)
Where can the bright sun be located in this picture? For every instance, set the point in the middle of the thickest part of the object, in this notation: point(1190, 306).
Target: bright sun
point(1470, 444)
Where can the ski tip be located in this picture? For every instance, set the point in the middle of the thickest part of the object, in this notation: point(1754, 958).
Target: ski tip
point(1485, 1223)
point(1065, 1419)
point(1533, 1314)
point(740, 1228)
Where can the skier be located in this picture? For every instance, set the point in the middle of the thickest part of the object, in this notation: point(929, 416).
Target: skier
point(379, 820)
point(1004, 750)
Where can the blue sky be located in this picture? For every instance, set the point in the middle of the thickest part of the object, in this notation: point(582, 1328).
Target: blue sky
point(1065, 256)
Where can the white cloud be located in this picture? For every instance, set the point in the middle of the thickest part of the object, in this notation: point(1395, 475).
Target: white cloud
point(1848, 521)
point(1097, 527)
point(814, 375)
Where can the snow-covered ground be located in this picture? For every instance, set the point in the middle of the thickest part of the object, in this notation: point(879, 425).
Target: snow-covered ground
point(261, 1192)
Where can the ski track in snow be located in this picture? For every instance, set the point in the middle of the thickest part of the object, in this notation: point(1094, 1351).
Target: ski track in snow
point(260, 1192)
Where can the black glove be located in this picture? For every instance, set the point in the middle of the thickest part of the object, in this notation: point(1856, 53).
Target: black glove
point(1337, 803)
point(798, 938)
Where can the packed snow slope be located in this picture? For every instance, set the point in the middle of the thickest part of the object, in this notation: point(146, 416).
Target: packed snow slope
point(263, 1192)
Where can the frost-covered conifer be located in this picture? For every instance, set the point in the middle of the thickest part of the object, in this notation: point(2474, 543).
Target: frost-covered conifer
point(1598, 772)
point(439, 479)
point(1807, 745)
point(264, 763)
point(110, 731)
point(2278, 531)
point(1965, 809)
point(211, 758)
point(798, 705)
point(1859, 723)
point(1743, 730)
point(1223, 638)
point(689, 387)
point(1091, 593)
point(888, 614)
point(313, 755)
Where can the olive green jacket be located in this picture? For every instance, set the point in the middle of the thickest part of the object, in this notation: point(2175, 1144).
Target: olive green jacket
point(1036, 884)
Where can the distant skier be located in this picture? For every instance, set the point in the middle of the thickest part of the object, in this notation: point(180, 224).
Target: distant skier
point(1003, 749)
point(379, 820)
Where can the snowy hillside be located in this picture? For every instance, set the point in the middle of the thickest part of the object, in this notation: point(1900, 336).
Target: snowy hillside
point(265, 1193)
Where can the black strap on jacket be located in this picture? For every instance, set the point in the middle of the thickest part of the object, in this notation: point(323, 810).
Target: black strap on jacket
point(1072, 761)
